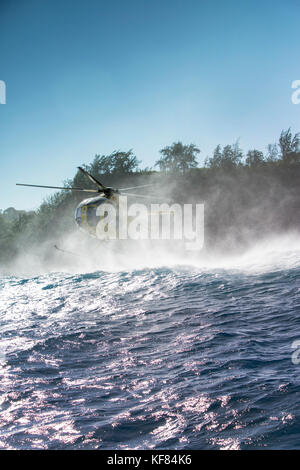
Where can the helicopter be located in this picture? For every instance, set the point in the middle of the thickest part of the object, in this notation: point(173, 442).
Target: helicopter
point(87, 213)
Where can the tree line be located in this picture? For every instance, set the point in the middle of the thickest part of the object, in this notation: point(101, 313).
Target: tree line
point(179, 158)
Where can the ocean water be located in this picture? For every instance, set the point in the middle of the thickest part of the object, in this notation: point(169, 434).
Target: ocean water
point(181, 356)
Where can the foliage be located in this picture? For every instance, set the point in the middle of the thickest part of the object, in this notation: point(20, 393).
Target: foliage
point(178, 157)
point(289, 146)
point(117, 163)
point(254, 158)
point(227, 158)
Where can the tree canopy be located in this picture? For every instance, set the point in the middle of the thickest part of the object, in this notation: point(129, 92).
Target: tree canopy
point(227, 158)
point(290, 146)
point(117, 163)
point(178, 157)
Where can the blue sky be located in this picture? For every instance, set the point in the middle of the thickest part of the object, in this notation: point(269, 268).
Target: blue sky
point(87, 77)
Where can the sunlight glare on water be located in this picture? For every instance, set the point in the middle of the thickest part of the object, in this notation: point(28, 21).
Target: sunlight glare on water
point(183, 356)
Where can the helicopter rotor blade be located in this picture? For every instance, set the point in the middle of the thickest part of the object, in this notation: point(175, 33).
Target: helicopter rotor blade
point(136, 187)
point(59, 187)
point(92, 178)
point(144, 196)
point(138, 195)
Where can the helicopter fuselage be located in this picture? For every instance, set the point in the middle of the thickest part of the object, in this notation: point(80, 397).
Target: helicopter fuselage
point(87, 214)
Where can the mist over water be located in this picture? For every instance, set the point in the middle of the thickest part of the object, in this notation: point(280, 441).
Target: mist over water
point(79, 253)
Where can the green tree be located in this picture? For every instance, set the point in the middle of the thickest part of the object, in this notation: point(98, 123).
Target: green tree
point(289, 146)
point(5, 226)
point(230, 157)
point(123, 163)
point(117, 163)
point(178, 157)
point(101, 165)
point(254, 158)
point(272, 153)
point(23, 221)
point(216, 160)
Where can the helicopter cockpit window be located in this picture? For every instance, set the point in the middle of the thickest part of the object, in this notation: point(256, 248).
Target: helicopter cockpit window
point(92, 218)
point(78, 213)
